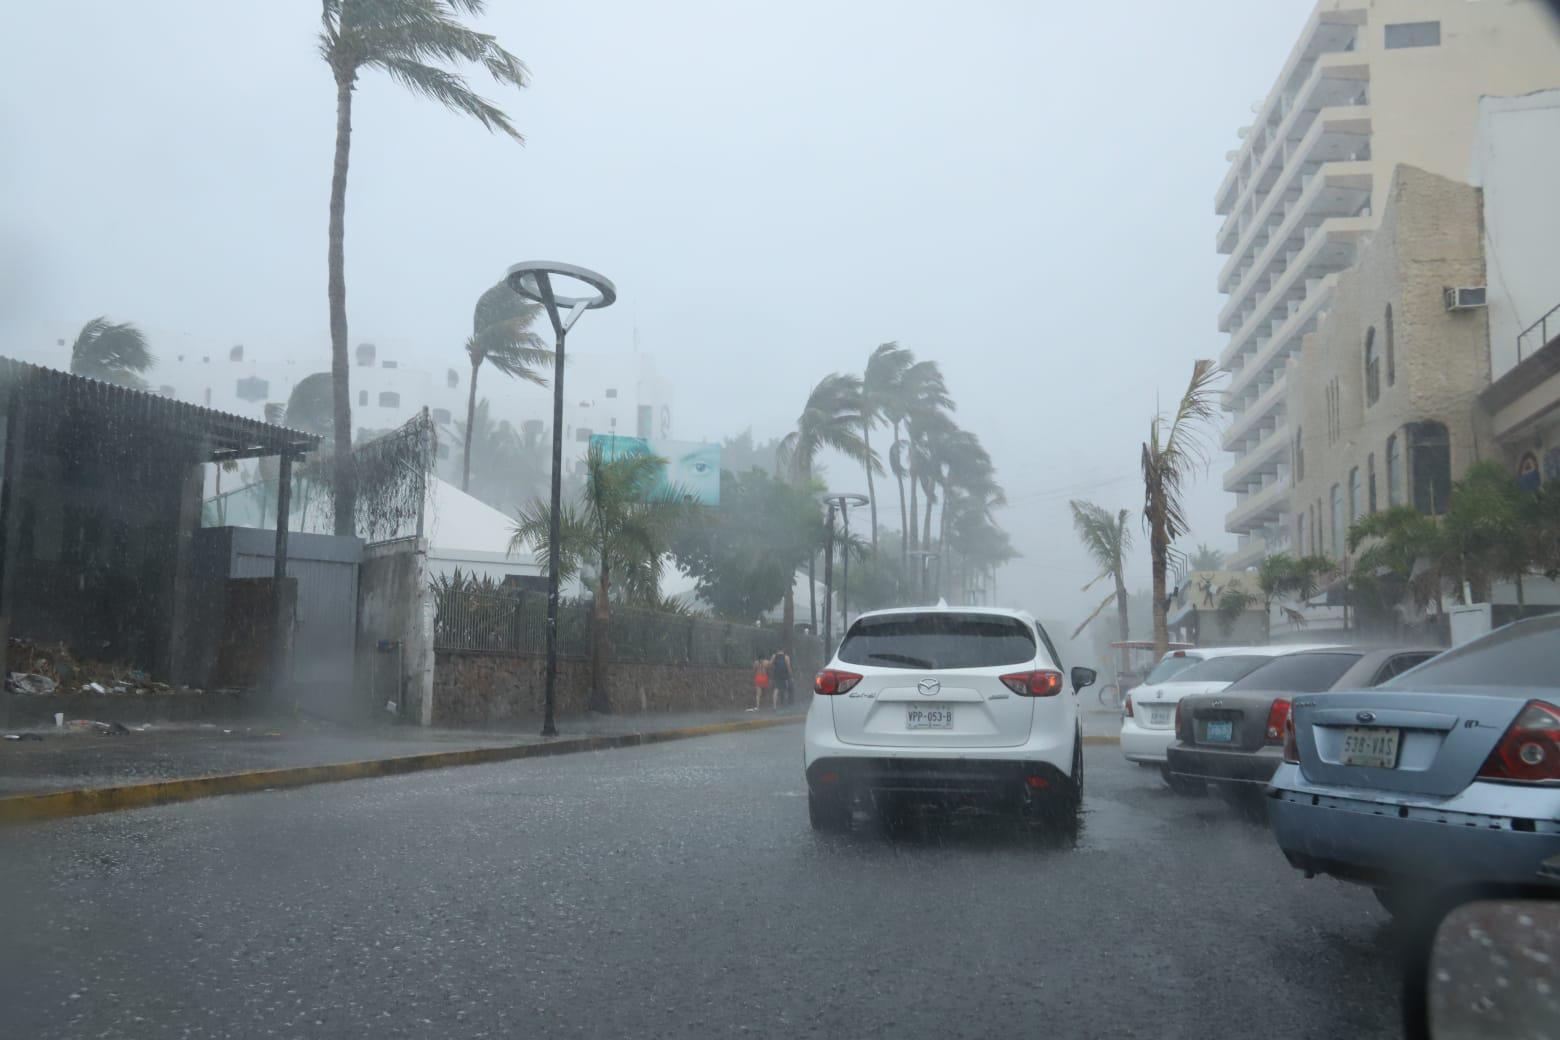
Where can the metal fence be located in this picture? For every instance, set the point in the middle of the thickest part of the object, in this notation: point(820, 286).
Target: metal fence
point(513, 622)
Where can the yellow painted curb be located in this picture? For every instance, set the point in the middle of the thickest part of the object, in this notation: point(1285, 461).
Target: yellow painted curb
point(51, 805)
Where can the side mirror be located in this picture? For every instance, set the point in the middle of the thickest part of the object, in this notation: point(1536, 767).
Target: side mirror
point(1082, 677)
point(1485, 970)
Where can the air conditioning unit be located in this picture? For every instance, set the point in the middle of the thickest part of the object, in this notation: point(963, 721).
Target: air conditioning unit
point(1465, 299)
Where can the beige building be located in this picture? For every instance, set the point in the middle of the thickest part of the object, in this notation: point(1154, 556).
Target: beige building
point(1368, 85)
point(1383, 398)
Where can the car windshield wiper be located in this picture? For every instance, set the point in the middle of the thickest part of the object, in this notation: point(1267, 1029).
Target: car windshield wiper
point(913, 662)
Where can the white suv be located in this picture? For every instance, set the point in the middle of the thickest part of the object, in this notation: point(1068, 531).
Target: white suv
point(947, 705)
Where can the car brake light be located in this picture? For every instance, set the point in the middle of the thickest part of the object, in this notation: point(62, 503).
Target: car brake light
point(1529, 751)
point(1126, 707)
point(832, 681)
point(1178, 716)
point(1278, 715)
point(1291, 746)
point(1043, 682)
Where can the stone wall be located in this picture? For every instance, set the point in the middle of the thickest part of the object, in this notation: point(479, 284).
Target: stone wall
point(474, 688)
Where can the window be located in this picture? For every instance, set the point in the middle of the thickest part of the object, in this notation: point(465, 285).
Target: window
point(1300, 531)
point(1337, 520)
point(925, 641)
point(1398, 665)
point(389, 399)
point(1370, 470)
point(611, 392)
point(1391, 359)
point(1413, 34)
point(389, 364)
point(1514, 659)
point(1223, 669)
point(236, 353)
point(1316, 528)
point(582, 434)
point(645, 421)
point(1168, 667)
point(1299, 455)
point(441, 415)
point(363, 398)
point(1356, 503)
point(253, 388)
point(1429, 466)
point(1299, 673)
point(1372, 369)
point(443, 450)
point(365, 355)
point(1394, 472)
point(452, 379)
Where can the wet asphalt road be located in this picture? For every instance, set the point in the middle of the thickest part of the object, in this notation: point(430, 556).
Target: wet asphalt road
point(674, 890)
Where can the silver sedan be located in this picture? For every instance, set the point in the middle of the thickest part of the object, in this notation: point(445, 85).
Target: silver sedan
point(1447, 775)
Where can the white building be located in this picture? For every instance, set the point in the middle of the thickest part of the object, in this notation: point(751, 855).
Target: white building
point(1368, 85)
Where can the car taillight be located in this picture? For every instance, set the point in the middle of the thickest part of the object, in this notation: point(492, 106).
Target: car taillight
point(1291, 747)
point(1042, 682)
point(1529, 752)
point(1278, 717)
point(832, 681)
point(1126, 707)
point(1178, 716)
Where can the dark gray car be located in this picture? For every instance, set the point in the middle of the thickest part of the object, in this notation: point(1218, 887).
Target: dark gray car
point(1236, 736)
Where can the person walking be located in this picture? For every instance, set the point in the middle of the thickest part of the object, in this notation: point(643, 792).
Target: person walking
point(760, 682)
point(780, 678)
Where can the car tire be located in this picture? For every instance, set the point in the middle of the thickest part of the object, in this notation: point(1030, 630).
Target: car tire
point(829, 813)
point(1075, 786)
point(1183, 785)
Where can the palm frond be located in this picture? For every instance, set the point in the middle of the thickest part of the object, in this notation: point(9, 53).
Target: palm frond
point(1107, 601)
point(448, 89)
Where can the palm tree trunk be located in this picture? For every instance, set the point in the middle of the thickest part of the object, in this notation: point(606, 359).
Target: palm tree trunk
point(812, 591)
point(910, 470)
point(926, 521)
point(788, 617)
point(341, 390)
point(904, 522)
point(471, 420)
point(1122, 616)
point(866, 442)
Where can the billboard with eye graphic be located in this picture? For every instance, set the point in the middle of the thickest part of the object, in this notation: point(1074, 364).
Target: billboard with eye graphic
point(691, 467)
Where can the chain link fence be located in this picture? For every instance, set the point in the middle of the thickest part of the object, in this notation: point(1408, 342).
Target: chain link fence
point(496, 620)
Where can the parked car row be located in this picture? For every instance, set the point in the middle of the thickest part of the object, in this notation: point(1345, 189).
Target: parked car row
point(1405, 769)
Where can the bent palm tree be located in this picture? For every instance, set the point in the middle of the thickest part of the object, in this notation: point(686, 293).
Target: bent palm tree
point(113, 353)
point(1175, 451)
point(501, 334)
point(409, 40)
point(1107, 541)
point(880, 385)
point(923, 406)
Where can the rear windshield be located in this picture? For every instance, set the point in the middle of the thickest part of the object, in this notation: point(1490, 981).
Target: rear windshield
point(1519, 657)
point(1168, 667)
point(1222, 669)
point(1298, 673)
point(938, 641)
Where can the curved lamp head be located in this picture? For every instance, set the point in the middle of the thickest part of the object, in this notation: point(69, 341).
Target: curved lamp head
point(533, 280)
point(843, 499)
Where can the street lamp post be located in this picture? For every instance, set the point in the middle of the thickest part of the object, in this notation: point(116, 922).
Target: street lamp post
point(828, 587)
point(843, 501)
point(925, 556)
point(533, 280)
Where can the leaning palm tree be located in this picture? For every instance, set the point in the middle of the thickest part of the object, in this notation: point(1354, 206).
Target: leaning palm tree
point(113, 353)
point(832, 418)
point(880, 387)
point(501, 334)
point(620, 530)
point(411, 41)
point(1176, 449)
point(1107, 540)
point(923, 404)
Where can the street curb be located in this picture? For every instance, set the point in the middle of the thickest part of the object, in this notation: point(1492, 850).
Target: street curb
point(86, 801)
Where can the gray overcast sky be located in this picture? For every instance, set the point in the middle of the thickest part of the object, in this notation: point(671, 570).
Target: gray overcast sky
point(1020, 190)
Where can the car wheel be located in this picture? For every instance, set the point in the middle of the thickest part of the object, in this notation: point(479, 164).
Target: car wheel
point(1183, 785)
point(1075, 788)
point(828, 812)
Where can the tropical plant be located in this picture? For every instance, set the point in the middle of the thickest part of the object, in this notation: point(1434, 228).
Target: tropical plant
point(508, 467)
point(1282, 576)
point(1405, 550)
point(615, 537)
point(1176, 450)
point(1234, 600)
point(412, 41)
point(1484, 533)
point(923, 405)
point(881, 385)
point(113, 353)
point(501, 335)
point(1107, 540)
point(1205, 558)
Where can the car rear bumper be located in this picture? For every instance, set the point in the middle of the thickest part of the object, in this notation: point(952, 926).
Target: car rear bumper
point(1246, 767)
point(1144, 745)
point(1381, 843)
point(952, 777)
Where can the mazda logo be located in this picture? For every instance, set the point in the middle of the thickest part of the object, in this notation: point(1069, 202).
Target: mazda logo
point(928, 687)
point(1366, 716)
point(1217, 704)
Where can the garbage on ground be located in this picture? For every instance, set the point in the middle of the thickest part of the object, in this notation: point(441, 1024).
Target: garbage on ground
point(115, 728)
point(30, 682)
point(23, 736)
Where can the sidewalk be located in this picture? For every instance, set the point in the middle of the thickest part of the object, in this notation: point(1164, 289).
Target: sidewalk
point(68, 759)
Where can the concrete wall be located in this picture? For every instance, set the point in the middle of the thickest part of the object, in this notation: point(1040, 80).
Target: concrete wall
point(472, 688)
point(1429, 238)
point(395, 629)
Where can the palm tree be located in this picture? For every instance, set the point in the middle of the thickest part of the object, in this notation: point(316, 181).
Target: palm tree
point(1107, 540)
point(410, 40)
point(922, 406)
point(113, 353)
point(501, 334)
point(1205, 558)
point(1176, 449)
point(880, 387)
point(832, 418)
point(620, 531)
point(1405, 547)
point(1281, 575)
